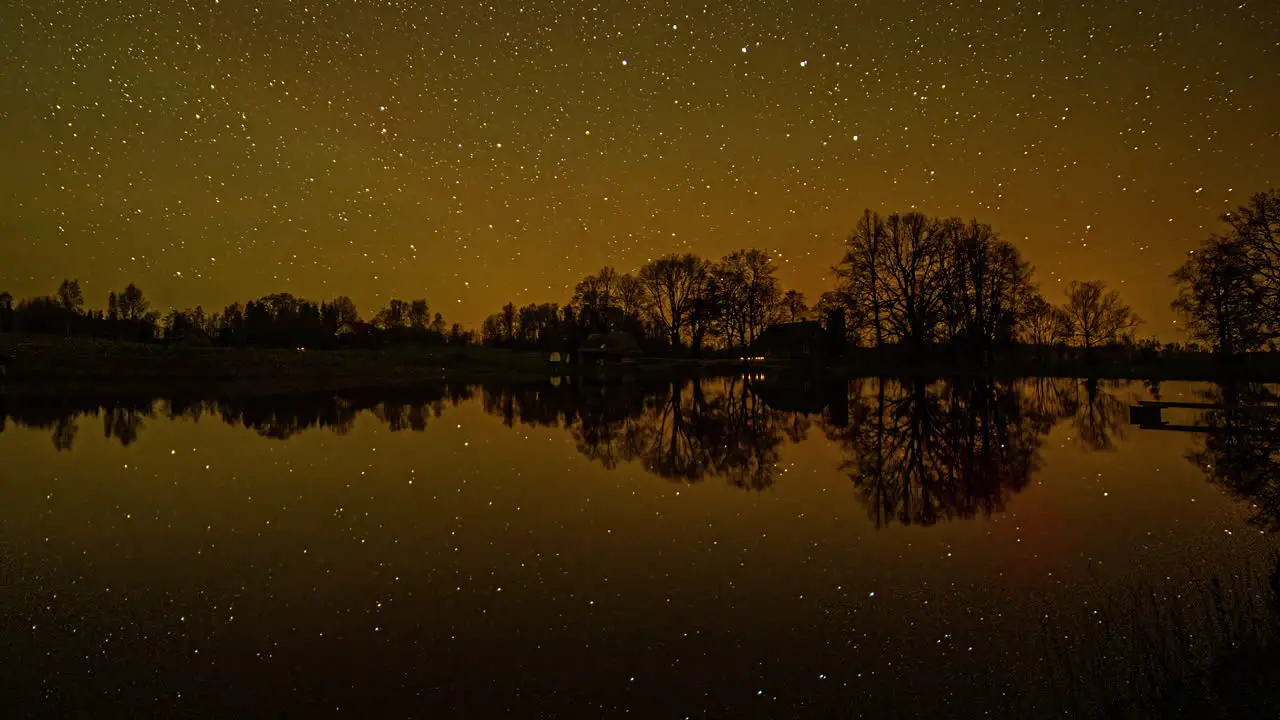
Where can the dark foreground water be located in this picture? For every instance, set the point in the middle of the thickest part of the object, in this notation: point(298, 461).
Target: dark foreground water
point(726, 548)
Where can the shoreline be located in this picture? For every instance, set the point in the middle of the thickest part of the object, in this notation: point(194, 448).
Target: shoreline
point(63, 366)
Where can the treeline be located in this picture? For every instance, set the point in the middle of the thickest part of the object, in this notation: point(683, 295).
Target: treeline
point(282, 320)
point(908, 281)
point(128, 315)
point(920, 282)
point(676, 303)
point(277, 320)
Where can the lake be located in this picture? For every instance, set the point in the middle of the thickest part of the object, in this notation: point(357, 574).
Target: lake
point(734, 547)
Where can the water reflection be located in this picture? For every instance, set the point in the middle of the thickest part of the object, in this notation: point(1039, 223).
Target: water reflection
point(1240, 448)
point(917, 452)
point(501, 577)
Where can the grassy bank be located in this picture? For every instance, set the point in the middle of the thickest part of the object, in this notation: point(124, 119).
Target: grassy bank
point(87, 362)
point(73, 364)
point(82, 363)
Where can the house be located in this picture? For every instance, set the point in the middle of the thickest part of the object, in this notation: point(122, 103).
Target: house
point(614, 346)
point(804, 339)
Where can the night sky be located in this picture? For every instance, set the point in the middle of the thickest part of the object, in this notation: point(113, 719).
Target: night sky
point(475, 153)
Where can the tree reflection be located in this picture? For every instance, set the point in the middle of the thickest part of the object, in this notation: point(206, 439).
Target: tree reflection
point(685, 431)
point(1241, 449)
point(919, 453)
point(278, 417)
point(1097, 415)
point(124, 423)
point(65, 430)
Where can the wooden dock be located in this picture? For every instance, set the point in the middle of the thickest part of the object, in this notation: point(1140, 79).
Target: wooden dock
point(1147, 414)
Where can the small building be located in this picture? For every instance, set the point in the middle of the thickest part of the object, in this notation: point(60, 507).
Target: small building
point(615, 346)
point(794, 340)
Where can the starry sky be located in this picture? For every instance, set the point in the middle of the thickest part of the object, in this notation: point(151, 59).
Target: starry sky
point(474, 153)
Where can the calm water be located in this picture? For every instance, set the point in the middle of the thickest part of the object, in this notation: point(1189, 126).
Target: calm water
point(727, 548)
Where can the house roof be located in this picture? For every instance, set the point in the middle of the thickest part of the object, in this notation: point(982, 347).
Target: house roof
point(785, 332)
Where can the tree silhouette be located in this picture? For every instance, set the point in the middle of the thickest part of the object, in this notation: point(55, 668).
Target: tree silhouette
point(914, 277)
point(794, 306)
point(1256, 229)
point(6, 312)
point(458, 335)
point(1219, 297)
point(1096, 316)
point(593, 300)
point(987, 290)
point(508, 322)
point(746, 281)
point(71, 297)
point(418, 314)
point(1040, 323)
point(917, 281)
point(632, 304)
point(395, 314)
point(859, 283)
point(672, 285)
point(133, 305)
point(344, 312)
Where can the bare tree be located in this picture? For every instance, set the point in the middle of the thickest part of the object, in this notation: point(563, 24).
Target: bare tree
point(707, 314)
point(344, 310)
point(507, 322)
point(419, 314)
point(133, 305)
point(1256, 227)
point(1039, 321)
point(672, 285)
point(858, 275)
point(394, 314)
point(988, 284)
point(794, 306)
point(751, 295)
point(6, 311)
point(491, 330)
point(1219, 297)
point(594, 300)
point(914, 277)
point(70, 296)
point(629, 296)
point(857, 316)
point(1256, 231)
point(1096, 316)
